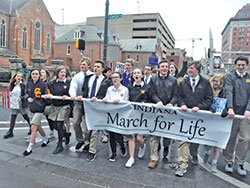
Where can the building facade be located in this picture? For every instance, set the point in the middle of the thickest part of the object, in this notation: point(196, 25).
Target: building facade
point(236, 36)
point(140, 26)
point(26, 31)
point(140, 50)
point(65, 45)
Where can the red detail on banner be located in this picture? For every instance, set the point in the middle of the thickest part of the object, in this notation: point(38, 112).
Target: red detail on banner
point(5, 99)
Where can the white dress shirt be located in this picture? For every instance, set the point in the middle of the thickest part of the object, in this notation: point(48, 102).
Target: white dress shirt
point(98, 83)
point(121, 93)
point(76, 83)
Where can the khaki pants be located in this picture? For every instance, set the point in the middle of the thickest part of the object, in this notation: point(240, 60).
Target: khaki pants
point(240, 127)
point(154, 144)
point(183, 154)
point(78, 118)
point(91, 138)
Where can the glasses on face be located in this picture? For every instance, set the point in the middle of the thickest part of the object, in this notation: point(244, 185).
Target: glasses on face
point(114, 77)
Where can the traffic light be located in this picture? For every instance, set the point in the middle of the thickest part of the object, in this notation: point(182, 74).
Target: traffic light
point(80, 44)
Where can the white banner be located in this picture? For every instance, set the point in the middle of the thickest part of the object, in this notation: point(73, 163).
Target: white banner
point(14, 104)
point(201, 127)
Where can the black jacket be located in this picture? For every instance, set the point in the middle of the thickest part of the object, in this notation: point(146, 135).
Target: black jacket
point(35, 91)
point(238, 92)
point(101, 93)
point(59, 89)
point(164, 90)
point(202, 97)
point(139, 94)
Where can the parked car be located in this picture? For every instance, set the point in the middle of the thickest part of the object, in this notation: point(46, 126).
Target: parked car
point(4, 75)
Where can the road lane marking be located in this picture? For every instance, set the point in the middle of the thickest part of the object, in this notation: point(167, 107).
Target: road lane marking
point(18, 122)
point(223, 175)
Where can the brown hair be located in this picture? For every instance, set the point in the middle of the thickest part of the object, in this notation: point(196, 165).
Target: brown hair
point(197, 65)
point(87, 59)
point(13, 80)
point(131, 61)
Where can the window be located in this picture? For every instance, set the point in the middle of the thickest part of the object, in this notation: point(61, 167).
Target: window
point(37, 36)
point(48, 43)
point(137, 58)
point(79, 34)
point(129, 56)
point(244, 15)
point(24, 43)
point(2, 32)
point(68, 50)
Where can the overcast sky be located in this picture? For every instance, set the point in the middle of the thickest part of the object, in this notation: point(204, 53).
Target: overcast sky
point(186, 19)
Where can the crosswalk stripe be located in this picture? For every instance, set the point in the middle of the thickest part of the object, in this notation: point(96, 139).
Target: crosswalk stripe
point(18, 122)
point(223, 175)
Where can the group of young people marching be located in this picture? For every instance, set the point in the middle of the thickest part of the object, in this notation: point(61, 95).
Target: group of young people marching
point(167, 87)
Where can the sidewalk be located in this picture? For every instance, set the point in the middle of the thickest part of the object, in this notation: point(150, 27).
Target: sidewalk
point(101, 172)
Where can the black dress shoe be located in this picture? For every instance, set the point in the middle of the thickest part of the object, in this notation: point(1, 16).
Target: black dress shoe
point(85, 149)
point(44, 144)
point(25, 153)
point(58, 149)
point(8, 135)
point(79, 145)
point(67, 138)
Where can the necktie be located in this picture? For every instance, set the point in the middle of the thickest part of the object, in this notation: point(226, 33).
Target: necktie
point(92, 94)
point(85, 74)
point(137, 85)
point(146, 79)
point(193, 84)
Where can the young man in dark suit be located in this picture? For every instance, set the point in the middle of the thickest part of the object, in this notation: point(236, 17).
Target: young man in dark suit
point(94, 87)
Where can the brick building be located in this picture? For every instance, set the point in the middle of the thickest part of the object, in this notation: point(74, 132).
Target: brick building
point(26, 31)
point(236, 35)
point(65, 44)
point(140, 50)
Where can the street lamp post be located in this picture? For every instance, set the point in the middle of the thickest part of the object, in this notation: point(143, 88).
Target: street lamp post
point(105, 42)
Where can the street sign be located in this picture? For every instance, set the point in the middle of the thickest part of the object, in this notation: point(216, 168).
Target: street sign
point(115, 16)
point(153, 59)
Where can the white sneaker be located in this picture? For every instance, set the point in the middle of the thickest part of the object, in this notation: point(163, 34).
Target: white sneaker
point(130, 162)
point(104, 138)
point(241, 171)
point(141, 151)
point(229, 168)
point(214, 167)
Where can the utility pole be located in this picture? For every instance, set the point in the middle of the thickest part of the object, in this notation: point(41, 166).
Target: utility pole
point(138, 2)
point(62, 16)
point(211, 72)
point(105, 42)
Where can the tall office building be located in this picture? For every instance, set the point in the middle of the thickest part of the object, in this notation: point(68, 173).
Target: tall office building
point(139, 26)
point(236, 35)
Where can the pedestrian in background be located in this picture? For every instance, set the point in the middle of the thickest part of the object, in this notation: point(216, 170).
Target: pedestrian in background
point(25, 72)
point(126, 76)
point(34, 90)
point(45, 77)
point(17, 88)
point(218, 86)
point(237, 94)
